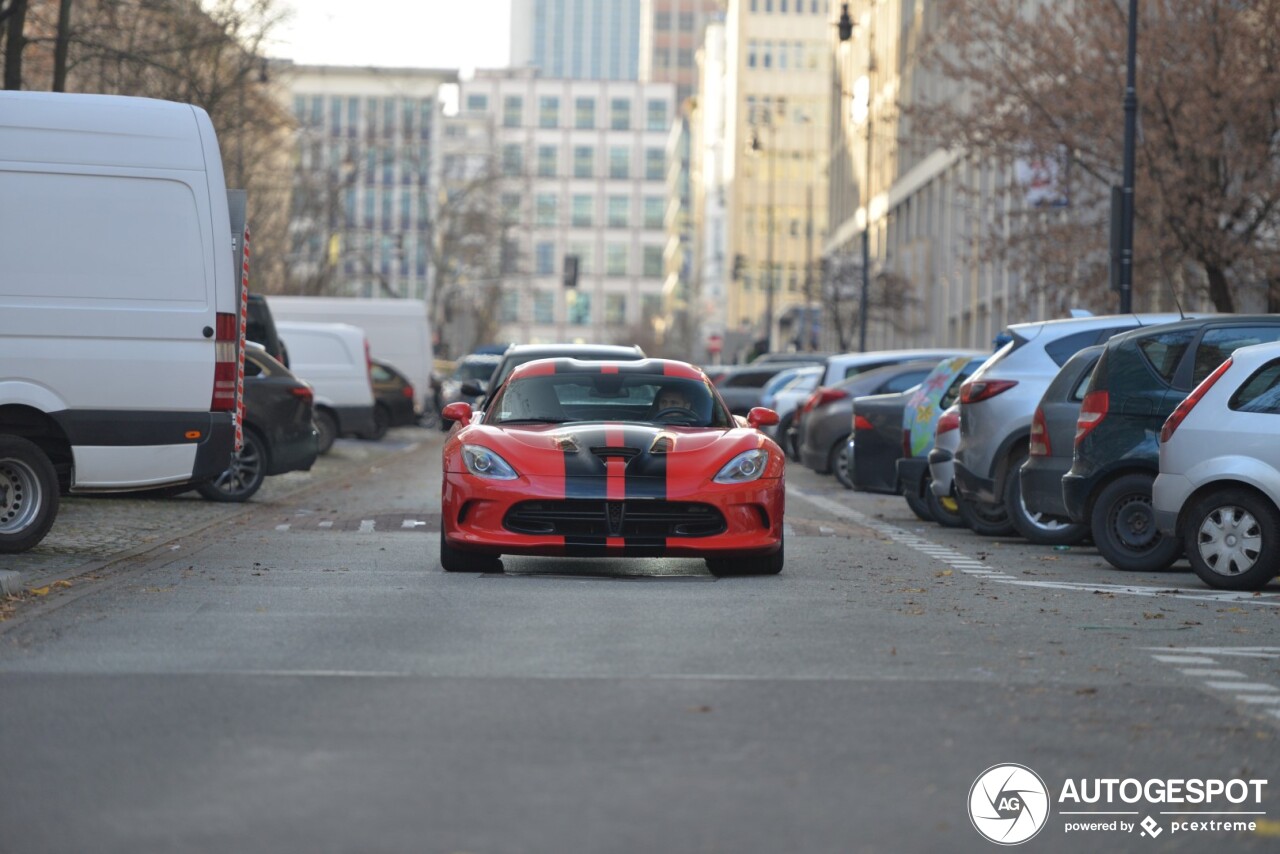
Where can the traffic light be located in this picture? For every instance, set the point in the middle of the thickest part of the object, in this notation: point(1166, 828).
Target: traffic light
point(571, 271)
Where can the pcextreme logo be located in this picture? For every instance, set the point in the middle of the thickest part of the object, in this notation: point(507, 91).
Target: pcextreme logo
point(1008, 804)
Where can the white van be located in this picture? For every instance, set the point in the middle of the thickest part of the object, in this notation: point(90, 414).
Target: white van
point(120, 304)
point(334, 358)
point(397, 329)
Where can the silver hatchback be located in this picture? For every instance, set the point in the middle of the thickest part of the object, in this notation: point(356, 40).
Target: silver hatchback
point(1219, 482)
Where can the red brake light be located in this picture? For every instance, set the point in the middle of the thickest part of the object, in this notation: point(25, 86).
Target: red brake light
point(1040, 446)
point(225, 362)
point(861, 423)
point(1092, 411)
point(1189, 403)
point(303, 392)
point(407, 391)
point(827, 395)
point(948, 422)
point(977, 390)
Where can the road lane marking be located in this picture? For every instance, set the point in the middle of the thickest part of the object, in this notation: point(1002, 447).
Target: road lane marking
point(1220, 674)
point(366, 526)
point(1183, 659)
point(1253, 687)
point(282, 527)
point(327, 523)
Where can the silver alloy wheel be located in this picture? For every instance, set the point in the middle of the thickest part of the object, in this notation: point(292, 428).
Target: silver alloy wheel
point(19, 495)
point(1048, 524)
point(244, 472)
point(1230, 540)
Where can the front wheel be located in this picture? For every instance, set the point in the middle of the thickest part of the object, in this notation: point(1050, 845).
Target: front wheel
point(381, 424)
point(764, 565)
point(245, 475)
point(986, 520)
point(1124, 526)
point(457, 560)
point(1037, 528)
point(918, 505)
point(946, 510)
point(326, 430)
point(28, 494)
point(842, 463)
point(1233, 540)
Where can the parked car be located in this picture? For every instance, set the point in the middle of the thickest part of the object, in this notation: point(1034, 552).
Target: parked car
point(472, 370)
point(743, 386)
point(1219, 482)
point(999, 400)
point(828, 413)
point(1053, 428)
point(278, 432)
point(260, 327)
point(672, 473)
point(518, 354)
point(842, 366)
point(785, 401)
point(334, 359)
point(394, 399)
point(1138, 382)
point(944, 504)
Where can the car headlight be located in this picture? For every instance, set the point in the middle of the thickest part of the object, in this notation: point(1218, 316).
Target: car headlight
point(744, 468)
point(483, 462)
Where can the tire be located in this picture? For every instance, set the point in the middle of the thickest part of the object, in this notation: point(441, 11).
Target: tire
point(1036, 527)
point(945, 511)
point(381, 424)
point(1251, 561)
point(457, 560)
point(1123, 526)
point(986, 520)
point(245, 475)
point(326, 430)
point(919, 506)
point(780, 433)
point(834, 454)
point(763, 565)
point(842, 463)
point(28, 494)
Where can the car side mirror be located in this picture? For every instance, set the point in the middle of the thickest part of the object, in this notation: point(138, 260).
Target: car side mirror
point(472, 388)
point(460, 412)
point(761, 417)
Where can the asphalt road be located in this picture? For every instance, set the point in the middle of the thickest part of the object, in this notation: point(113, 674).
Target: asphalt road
point(299, 675)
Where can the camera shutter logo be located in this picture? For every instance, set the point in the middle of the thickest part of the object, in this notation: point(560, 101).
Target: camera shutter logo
point(1008, 804)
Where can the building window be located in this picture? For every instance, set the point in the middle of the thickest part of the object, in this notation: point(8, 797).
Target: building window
point(545, 259)
point(511, 205)
point(546, 161)
point(615, 259)
point(766, 55)
point(615, 309)
point(619, 162)
point(686, 21)
point(662, 21)
point(751, 53)
point(619, 211)
point(544, 209)
point(653, 261)
point(584, 165)
point(650, 307)
point(582, 210)
point(684, 57)
point(656, 115)
point(655, 164)
point(654, 211)
point(512, 111)
point(548, 111)
point(477, 103)
point(584, 113)
point(586, 258)
point(544, 307)
point(579, 307)
point(620, 114)
point(512, 159)
point(510, 308)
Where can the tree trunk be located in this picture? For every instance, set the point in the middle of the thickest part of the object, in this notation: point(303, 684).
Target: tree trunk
point(60, 46)
point(15, 41)
point(1219, 290)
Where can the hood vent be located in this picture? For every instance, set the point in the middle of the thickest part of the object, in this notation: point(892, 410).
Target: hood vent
point(623, 453)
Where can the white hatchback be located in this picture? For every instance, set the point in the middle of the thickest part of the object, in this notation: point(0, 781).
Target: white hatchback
point(1219, 482)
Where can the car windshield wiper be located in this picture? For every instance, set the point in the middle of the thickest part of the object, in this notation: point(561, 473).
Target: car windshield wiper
point(533, 421)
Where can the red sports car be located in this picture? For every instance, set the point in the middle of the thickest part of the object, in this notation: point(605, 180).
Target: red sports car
point(611, 459)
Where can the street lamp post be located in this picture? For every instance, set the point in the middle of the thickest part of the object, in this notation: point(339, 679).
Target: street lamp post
point(1130, 137)
point(770, 156)
point(845, 27)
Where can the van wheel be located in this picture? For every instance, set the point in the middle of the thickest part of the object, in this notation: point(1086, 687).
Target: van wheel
point(1233, 540)
point(457, 560)
point(326, 430)
point(945, 511)
point(381, 424)
point(1124, 526)
point(1037, 527)
point(28, 494)
point(985, 520)
point(244, 477)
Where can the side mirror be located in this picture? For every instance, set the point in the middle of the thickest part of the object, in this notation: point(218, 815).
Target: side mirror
point(461, 412)
point(761, 417)
point(471, 388)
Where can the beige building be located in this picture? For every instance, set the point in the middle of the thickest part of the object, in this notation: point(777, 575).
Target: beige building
point(778, 65)
point(671, 32)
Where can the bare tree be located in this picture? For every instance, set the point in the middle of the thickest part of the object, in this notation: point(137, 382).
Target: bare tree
point(1038, 80)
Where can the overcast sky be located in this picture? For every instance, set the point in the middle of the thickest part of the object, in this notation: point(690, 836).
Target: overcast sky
point(463, 34)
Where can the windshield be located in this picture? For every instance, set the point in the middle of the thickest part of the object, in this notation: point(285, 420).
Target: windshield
point(474, 370)
point(648, 398)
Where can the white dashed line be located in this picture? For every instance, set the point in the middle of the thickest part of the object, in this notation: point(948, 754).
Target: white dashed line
point(366, 526)
point(1253, 687)
point(1183, 659)
point(1219, 674)
point(327, 523)
point(1267, 699)
point(282, 527)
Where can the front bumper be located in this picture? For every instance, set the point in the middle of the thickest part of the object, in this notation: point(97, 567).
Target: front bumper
point(474, 511)
point(1169, 495)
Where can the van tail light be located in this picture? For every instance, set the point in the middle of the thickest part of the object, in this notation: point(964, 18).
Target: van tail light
point(226, 362)
point(303, 392)
point(861, 423)
point(1040, 446)
point(1092, 411)
point(977, 390)
point(948, 422)
point(1189, 403)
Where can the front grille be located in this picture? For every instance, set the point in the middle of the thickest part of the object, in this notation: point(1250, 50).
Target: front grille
point(634, 518)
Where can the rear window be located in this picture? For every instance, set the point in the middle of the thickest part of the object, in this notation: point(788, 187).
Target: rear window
point(1219, 343)
point(1164, 351)
point(854, 370)
point(1261, 392)
point(1066, 347)
point(747, 379)
point(902, 382)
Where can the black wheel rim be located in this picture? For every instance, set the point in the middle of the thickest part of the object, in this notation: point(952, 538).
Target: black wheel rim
point(1133, 523)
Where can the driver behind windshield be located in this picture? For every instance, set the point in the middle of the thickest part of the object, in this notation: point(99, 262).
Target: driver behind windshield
point(566, 397)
